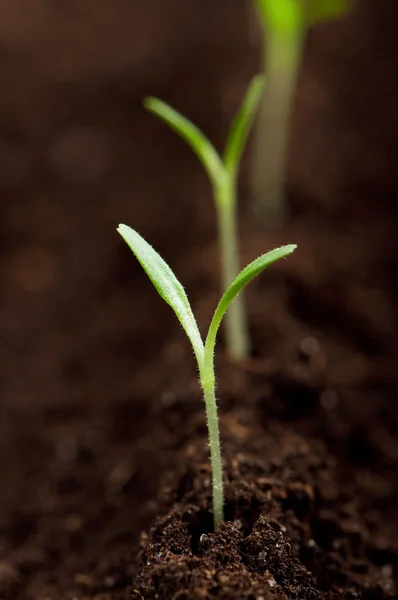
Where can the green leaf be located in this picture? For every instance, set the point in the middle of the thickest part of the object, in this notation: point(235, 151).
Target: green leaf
point(167, 285)
point(241, 125)
point(291, 16)
point(323, 10)
point(199, 143)
point(241, 281)
point(281, 16)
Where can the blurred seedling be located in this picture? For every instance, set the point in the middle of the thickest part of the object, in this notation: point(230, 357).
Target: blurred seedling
point(172, 292)
point(223, 173)
point(284, 24)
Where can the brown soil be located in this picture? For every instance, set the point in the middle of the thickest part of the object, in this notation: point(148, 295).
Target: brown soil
point(102, 432)
point(292, 529)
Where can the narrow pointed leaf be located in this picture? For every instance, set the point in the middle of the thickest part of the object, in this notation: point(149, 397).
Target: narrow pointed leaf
point(241, 125)
point(166, 283)
point(241, 281)
point(199, 143)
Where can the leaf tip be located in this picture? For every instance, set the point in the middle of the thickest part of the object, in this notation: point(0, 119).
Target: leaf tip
point(286, 250)
point(148, 102)
point(122, 229)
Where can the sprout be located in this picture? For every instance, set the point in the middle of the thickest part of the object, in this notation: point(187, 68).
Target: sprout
point(172, 292)
point(285, 24)
point(222, 172)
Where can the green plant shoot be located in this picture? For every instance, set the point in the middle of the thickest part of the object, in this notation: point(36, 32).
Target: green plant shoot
point(285, 24)
point(222, 172)
point(172, 292)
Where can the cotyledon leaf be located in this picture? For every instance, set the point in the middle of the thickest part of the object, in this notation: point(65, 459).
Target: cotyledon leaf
point(241, 125)
point(289, 16)
point(252, 270)
point(282, 16)
point(199, 143)
point(166, 284)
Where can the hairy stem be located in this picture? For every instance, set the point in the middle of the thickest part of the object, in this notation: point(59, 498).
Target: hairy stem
point(209, 390)
point(237, 338)
point(282, 60)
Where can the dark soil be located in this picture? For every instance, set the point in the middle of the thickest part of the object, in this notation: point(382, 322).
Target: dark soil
point(102, 431)
point(292, 529)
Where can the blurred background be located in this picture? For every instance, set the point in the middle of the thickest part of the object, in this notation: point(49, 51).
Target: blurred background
point(81, 328)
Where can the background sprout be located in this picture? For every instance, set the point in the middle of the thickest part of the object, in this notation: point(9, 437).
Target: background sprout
point(284, 24)
point(222, 172)
point(172, 292)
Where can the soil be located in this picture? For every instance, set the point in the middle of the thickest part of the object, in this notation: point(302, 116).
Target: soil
point(104, 471)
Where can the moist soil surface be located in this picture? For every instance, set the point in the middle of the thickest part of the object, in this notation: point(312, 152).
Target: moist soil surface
point(104, 472)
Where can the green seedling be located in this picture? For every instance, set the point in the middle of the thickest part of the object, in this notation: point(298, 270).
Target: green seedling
point(172, 292)
point(223, 173)
point(284, 24)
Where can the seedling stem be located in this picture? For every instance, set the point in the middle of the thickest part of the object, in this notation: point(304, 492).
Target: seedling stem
point(284, 25)
point(237, 338)
point(282, 59)
point(223, 173)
